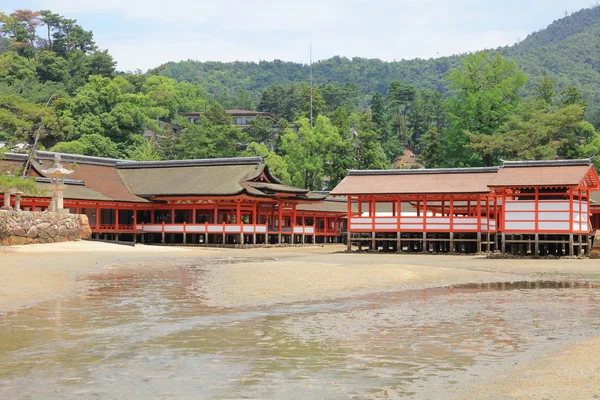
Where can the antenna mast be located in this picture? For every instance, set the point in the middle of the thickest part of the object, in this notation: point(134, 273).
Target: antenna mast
point(311, 87)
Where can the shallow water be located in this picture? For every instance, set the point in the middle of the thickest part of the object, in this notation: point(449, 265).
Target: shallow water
point(151, 335)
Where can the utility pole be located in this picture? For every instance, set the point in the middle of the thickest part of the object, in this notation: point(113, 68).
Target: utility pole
point(311, 87)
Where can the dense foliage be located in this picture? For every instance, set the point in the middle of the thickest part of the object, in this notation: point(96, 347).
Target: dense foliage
point(535, 100)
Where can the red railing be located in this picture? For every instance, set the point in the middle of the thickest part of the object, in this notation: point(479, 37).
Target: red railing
point(112, 227)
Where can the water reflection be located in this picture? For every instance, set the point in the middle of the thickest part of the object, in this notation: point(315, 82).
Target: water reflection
point(151, 334)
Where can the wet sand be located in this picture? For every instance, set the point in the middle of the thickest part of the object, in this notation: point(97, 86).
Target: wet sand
point(264, 277)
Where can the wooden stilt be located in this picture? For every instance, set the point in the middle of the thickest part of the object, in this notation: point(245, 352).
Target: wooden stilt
point(348, 241)
point(571, 245)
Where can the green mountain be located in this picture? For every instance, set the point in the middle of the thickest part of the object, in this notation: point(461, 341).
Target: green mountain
point(568, 51)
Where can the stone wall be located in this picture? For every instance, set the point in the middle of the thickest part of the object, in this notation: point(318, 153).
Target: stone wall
point(26, 227)
point(596, 246)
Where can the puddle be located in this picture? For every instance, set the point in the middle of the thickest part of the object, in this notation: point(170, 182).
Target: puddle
point(152, 335)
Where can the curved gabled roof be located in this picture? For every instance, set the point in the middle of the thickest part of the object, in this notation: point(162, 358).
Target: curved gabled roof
point(416, 181)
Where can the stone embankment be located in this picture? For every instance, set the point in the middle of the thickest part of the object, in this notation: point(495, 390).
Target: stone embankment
point(596, 246)
point(28, 227)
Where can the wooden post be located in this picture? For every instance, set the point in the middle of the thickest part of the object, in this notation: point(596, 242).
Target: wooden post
point(398, 242)
point(536, 244)
point(479, 241)
point(303, 229)
point(451, 214)
point(571, 245)
point(373, 242)
point(503, 243)
point(280, 220)
point(425, 224)
point(451, 242)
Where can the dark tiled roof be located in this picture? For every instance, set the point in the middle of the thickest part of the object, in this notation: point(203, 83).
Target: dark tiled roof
point(211, 180)
point(73, 192)
point(105, 180)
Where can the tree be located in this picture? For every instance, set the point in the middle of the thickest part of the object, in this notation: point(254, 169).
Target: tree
point(538, 133)
point(28, 21)
point(216, 115)
point(400, 97)
point(261, 129)
point(71, 37)
point(211, 140)
point(21, 120)
point(102, 63)
point(431, 145)
point(143, 150)
point(50, 67)
point(485, 93)
point(545, 90)
point(378, 111)
point(308, 151)
point(94, 145)
point(318, 104)
point(369, 153)
point(52, 22)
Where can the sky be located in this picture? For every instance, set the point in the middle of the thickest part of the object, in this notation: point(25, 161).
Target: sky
point(143, 34)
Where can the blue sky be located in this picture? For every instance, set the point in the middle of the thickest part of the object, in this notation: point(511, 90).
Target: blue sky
point(143, 34)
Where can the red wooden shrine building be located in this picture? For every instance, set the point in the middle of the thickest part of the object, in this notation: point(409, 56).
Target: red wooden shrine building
point(532, 207)
point(213, 201)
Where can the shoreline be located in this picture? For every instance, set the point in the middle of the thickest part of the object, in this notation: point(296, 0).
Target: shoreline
point(280, 275)
point(264, 276)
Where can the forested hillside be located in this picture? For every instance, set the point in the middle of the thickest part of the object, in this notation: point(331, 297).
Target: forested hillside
point(529, 101)
point(568, 51)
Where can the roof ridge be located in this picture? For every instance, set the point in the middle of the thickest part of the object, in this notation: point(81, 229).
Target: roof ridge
point(77, 182)
point(423, 171)
point(547, 163)
point(192, 163)
point(78, 158)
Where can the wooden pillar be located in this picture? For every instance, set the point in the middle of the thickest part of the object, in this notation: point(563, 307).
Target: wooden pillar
point(184, 232)
point(303, 218)
point(293, 224)
point(134, 219)
point(398, 242)
point(280, 219)
point(451, 250)
point(479, 241)
point(536, 244)
point(503, 243)
point(152, 220)
point(479, 215)
point(425, 224)
point(194, 214)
